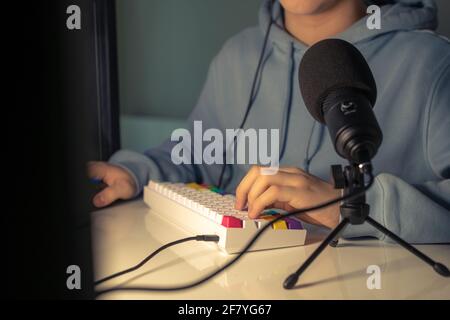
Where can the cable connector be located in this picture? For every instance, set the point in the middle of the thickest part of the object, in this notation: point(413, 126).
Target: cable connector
point(208, 238)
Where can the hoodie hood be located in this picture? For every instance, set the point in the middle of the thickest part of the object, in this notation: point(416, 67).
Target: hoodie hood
point(397, 15)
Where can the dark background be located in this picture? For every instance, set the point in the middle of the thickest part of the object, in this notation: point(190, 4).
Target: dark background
point(51, 135)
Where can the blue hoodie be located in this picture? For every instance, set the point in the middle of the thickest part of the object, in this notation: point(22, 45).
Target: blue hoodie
point(411, 66)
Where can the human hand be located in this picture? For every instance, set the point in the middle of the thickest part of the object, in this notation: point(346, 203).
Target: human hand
point(289, 189)
point(120, 184)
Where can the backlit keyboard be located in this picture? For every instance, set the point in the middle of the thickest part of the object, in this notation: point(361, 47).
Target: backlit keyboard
point(200, 209)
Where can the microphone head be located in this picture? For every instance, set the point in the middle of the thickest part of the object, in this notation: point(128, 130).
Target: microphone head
point(331, 65)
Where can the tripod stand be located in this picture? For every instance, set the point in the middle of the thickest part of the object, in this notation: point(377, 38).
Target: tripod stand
point(355, 212)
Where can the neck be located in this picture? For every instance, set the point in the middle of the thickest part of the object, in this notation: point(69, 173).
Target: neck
point(331, 21)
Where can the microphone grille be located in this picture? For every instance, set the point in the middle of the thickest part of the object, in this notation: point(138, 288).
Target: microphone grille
point(331, 65)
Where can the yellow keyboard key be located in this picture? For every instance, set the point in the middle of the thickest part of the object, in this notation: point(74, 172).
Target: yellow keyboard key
point(280, 225)
point(194, 186)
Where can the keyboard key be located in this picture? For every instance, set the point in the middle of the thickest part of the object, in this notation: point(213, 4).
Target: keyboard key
point(218, 191)
point(229, 197)
point(293, 224)
point(271, 213)
point(271, 217)
point(194, 186)
point(280, 225)
point(240, 213)
point(218, 218)
point(260, 223)
point(250, 224)
point(231, 222)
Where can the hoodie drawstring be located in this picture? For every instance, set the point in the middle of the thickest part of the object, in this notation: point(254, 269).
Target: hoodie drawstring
point(259, 79)
point(287, 115)
point(253, 95)
point(287, 112)
point(288, 104)
point(308, 155)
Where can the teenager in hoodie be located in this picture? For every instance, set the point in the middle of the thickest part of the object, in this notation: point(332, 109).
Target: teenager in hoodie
point(411, 66)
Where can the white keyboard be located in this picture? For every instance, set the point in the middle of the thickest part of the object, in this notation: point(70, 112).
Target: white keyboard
point(200, 209)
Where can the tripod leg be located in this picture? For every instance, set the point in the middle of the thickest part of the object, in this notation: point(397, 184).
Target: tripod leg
point(334, 243)
point(438, 267)
point(290, 281)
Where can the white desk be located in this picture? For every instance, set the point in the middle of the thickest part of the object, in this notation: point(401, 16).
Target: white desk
point(125, 234)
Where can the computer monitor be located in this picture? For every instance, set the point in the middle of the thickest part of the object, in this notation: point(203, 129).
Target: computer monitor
point(66, 115)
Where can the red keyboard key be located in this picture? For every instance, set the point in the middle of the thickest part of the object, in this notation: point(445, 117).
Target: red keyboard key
point(231, 222)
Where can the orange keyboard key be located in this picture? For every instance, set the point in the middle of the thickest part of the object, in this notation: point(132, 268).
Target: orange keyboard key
point(270, 217)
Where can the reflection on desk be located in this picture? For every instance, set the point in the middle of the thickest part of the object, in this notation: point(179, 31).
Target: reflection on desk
point(124, 234)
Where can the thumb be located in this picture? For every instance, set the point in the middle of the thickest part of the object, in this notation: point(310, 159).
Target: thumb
point(120, 189)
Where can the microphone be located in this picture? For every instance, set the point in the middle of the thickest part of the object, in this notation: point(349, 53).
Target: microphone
point(339, 91)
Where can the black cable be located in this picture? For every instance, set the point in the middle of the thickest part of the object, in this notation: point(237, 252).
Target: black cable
point(249, 244)
point(251, 98)
point(208, 238)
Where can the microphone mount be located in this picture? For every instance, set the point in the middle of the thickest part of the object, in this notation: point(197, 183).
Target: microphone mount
point(355, 211)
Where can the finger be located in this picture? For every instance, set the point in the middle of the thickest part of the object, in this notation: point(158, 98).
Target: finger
point(272, 195)
point(262, 183)
point(286, 207)
point(97, 170)
point(105, 197)
point(125, 188)
point(292, 170)
point(244, 187)
point(282, 205)
point(309, 219)
point(121, 189)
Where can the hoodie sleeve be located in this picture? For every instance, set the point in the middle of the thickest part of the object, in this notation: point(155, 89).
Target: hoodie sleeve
point(418, 213)
point(156, 163)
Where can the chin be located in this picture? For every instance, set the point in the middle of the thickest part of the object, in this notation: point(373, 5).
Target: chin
point(307, 7)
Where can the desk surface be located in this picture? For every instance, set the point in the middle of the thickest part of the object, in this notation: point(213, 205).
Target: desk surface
point(123, 235)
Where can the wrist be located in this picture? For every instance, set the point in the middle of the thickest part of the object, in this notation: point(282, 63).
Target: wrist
point(333, 211)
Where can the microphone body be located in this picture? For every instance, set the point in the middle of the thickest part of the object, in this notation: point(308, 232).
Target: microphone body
point(339, 90)
point(352, 125)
